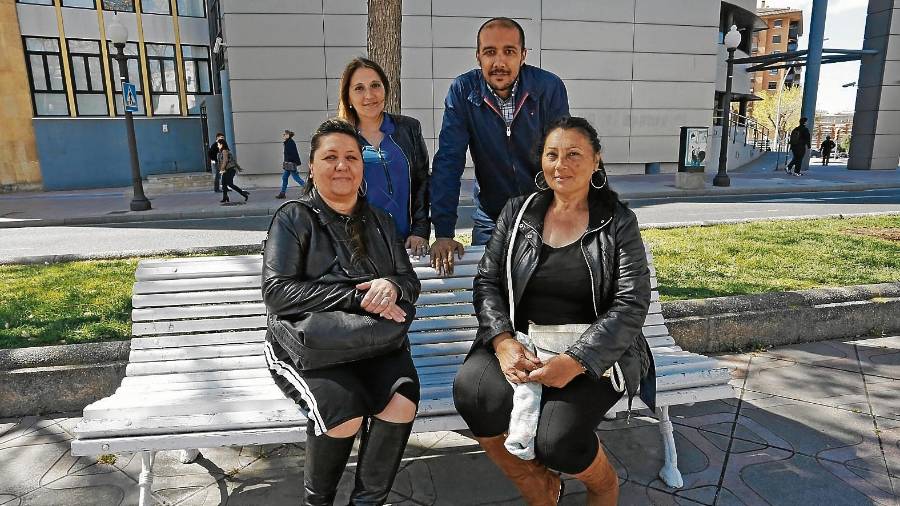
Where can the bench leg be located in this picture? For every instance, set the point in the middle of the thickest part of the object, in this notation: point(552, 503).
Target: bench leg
point(669, 472)
point(145, 481)
point(188, 456)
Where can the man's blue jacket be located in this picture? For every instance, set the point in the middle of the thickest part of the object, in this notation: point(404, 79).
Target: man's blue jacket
point(505, 158)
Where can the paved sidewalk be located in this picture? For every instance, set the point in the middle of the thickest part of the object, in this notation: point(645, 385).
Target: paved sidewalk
point(111, 205)
point(816, 423)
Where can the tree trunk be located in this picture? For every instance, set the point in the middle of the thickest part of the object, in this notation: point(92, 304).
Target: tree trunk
point(383, 39)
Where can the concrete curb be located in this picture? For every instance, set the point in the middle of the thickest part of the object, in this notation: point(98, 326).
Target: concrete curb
point(745, 322)
point(138, 217)
point(68, 378)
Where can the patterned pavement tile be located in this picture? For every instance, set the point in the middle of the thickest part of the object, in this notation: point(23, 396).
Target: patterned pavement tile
point(780, 478)
point(810, 383)
point(880, 356)
point(836, 354)
point(884, 396)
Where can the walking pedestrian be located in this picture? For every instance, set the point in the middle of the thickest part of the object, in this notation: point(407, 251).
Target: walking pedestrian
point(291, 163)
point(213, 154)
point(498, 112)
point(228, 167)
point(800, 140)
point(394, 153)
point(827, 146)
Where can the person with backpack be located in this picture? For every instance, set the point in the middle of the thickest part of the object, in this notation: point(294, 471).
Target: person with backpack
point(827, 147)
point(800, 140)
point(291, 163)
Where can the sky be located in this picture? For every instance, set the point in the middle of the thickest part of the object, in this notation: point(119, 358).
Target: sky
point(845, 25)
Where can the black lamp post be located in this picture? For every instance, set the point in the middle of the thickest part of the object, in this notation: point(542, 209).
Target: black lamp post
point(732, 41)
point(118, 34)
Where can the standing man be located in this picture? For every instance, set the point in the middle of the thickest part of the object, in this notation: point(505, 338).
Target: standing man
point(497, 112)
point(799, 141)
point(213, 154)
point(827, 146)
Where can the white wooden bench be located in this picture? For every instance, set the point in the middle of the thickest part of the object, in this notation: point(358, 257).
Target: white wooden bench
point(197, 377)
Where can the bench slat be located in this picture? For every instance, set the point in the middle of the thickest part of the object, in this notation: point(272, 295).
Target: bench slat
point(195, 285)
point(187, 340)
point(444, 323)
point(197, 405)
point(207, 325)
point(200, 365)
point(197, 352)
point(195, 298)
point(175, 378)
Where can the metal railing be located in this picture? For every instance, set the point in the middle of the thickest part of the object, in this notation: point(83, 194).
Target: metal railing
point(748, 130)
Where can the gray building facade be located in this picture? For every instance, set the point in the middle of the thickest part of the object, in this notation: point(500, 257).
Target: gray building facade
point(638, 69)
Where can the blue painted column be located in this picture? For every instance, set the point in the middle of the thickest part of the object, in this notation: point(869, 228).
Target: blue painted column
point(813, 63)
point(226, 109)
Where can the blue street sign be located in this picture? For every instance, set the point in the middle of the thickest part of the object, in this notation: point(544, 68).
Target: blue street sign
point(130, 97)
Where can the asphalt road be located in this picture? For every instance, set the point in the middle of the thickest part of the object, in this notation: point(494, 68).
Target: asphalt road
point(153, 237)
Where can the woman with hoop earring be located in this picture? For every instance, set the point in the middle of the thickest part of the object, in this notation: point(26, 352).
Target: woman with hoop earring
point(566, 262)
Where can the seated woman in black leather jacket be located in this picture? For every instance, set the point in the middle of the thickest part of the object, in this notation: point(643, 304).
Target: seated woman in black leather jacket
point(332, 252)
point(578, 258)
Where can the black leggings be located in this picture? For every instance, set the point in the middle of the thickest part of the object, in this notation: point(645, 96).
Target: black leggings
point(565, 438)
point(228, 182)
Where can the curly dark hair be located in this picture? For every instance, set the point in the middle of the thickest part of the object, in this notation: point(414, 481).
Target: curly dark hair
point(356, 222)
point(606, 195)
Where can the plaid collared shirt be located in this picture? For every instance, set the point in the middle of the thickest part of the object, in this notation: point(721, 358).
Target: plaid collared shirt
point(507, 107)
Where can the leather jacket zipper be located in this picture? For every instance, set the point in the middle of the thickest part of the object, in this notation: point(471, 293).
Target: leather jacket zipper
point(409, 169)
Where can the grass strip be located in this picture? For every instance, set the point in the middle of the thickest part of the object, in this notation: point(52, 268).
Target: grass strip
point(85, 301)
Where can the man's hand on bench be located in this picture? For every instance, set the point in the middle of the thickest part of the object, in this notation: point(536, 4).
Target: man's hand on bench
point(417, 246)
point(442, 254)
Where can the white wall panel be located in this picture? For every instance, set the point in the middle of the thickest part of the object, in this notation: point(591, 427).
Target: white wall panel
point(247, 30)
point(254, 127)
point(587, 35)
point(345, 30)
point(81, 24)
point(663, 95)
point(588, 64)
point(678, 12)
point(588, 10)
point(598, 94)
point(157, 28)
point(670, 39)
point(608, 122)
point(194, 31)
point(278, 95)
point(276, 62)
point(40, 20)
point(272, 6)
point(416, 94)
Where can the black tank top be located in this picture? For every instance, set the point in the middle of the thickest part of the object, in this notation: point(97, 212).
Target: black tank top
point(559, 291)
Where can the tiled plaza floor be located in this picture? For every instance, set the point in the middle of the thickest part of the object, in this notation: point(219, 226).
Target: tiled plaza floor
point(814, 424)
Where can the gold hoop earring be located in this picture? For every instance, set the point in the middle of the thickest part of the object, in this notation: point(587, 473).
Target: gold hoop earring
point(363, 188)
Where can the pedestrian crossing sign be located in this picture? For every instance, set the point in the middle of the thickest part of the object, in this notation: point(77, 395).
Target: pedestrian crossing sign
point(129, 95)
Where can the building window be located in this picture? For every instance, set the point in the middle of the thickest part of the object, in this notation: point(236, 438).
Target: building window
point(87, 77)
point(118, 5)
point(778, 23)
point(36, 2)
point(163, 79)
point(192, 8)
point(776, 39)
point(155, 7)
point(80, 4)
point(48, 88)
point(773, 85)
point(134, 77)
point(197, 76)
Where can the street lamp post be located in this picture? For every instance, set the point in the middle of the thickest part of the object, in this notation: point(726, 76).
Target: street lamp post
point(118, 34)
point(732, 41)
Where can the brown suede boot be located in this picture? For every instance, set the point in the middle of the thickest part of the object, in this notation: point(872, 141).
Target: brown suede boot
point(538, 485)
point(601, 481)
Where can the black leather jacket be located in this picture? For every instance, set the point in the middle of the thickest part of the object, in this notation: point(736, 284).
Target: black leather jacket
point(408, 135)
point(307, 266)
point(615, 255)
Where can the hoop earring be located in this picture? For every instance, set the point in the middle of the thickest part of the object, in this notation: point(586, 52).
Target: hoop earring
point(363, 188)
point(538, 185)
point(600, 186)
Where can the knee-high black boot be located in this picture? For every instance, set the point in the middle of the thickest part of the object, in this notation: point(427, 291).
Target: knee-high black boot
point(380, 452)
point(326, 458)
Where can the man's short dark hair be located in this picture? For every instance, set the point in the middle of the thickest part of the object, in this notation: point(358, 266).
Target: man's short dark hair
point(220, 134)
point(803, 120)
point(502, 22)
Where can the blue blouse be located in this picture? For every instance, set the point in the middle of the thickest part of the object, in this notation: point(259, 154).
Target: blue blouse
point(387, 177)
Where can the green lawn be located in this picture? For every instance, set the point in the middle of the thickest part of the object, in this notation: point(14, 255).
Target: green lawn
point(77, 302)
